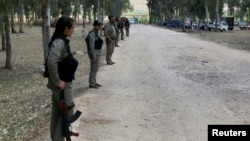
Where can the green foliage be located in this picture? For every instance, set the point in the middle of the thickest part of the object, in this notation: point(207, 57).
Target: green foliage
point(160, 10)
point(65, 6)
point(117, 7)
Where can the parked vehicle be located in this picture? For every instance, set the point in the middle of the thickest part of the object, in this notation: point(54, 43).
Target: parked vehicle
point(174, 23)
point(210, 26)
point(243, 25)
point(236, 23)
point(132, 21)
point(223, 26)
point(201, 25)
point(229, 21)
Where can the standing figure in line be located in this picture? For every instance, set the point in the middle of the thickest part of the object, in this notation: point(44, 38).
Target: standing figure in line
point(61, 74)
point(110, 35)
point(117, 20)
point(121, 27)
point(127, 26)
point(94, 44)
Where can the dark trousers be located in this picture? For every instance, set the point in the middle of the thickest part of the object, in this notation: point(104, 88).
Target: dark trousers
point(94, 66)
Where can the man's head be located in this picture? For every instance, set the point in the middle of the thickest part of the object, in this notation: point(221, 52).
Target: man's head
point(65, 26)
point(117, 19)
point(97, 25)
point(111, 19)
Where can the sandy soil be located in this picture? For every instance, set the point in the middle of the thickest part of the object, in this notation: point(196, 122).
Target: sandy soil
point(165, 85)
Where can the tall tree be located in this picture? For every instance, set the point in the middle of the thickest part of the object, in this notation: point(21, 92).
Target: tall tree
point(5, 7)
point(117, 7)
point(45, 6)
point(76, 10)
point(14, 9)
point(21, 16)
point(66, 8)
point(13, 30)
point(8, 63)
point(2, 28)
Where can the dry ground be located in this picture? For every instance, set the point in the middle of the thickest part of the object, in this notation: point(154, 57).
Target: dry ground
point(24, 98)
point(237, 38)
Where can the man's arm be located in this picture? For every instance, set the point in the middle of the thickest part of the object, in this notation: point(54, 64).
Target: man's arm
point(92, 44)
point(53, 59)
point(106, 31)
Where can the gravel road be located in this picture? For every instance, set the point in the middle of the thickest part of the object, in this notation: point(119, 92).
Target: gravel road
point(165, 86)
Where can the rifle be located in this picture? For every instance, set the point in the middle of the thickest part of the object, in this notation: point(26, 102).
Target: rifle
point(67, 120)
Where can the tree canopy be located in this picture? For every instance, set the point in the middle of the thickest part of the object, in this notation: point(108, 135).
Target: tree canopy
point(160, 10)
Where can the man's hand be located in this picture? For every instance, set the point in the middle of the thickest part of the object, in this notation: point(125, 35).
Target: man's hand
point(62, 85)
point(93, 60)
point(109, 39)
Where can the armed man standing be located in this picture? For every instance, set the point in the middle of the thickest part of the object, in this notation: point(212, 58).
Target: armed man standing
point(94, 43)
point(110, 34)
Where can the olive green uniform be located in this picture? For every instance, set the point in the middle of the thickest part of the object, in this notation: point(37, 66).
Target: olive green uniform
point(110, 33)
point(117, 33)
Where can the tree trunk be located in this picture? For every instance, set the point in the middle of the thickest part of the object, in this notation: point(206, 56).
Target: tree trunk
point(21, 28)
point(89, 15)
point(8, 64)
point(206, 11)
point(94, 15)
point(13, 30)
point(217, 14)
point(84, 7)
point(99, 10)
point(103, 10)
point(103, 13)
point(45, 26)
point(3, 36)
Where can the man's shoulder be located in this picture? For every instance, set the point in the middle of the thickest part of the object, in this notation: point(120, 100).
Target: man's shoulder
point(58, 42)
point(92, 34)
point(92, 31)
point(107, 24)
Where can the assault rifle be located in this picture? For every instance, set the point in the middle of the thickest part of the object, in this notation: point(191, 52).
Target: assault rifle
point(67, 120)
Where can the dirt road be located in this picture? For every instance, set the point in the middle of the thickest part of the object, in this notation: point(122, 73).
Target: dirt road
point(165, 86)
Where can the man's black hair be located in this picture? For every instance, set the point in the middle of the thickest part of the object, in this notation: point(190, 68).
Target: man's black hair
point(111, 16)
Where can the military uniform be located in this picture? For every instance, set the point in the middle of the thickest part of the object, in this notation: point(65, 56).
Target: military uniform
point(94, 51)
point(127, 25)
point(117, 32)
point(110, 33)
point(57, 53)
point(121, 28)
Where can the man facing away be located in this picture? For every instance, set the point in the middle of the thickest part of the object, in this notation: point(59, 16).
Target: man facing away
point(110, 35)
point(94, 43)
